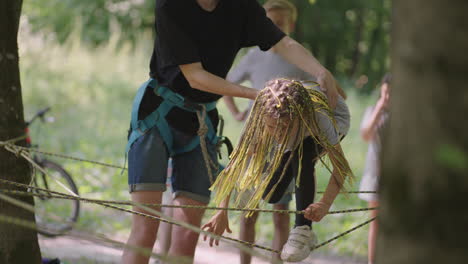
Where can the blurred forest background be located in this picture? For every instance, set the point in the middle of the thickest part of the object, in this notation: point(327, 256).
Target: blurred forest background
point(87, 58)
point(350, 37)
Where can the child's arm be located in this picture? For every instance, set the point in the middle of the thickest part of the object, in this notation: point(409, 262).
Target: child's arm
point(371, 121)
point(316, 211)
point(218, 223)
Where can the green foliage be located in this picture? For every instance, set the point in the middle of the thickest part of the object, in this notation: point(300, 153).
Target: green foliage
point(350, 37)
point(96, 19)
point(453, 157)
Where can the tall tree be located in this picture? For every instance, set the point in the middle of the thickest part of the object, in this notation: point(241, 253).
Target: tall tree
point(17, 244)
point(424, 212)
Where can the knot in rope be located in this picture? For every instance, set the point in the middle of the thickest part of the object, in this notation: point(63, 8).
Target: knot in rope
point(202, 130)
point(17, 151)
point(12, 141)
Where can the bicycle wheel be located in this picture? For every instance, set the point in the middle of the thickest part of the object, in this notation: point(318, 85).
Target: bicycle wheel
point(54, 217)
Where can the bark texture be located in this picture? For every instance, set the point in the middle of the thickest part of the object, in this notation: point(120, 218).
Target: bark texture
point(17, 244)
point(424, 185)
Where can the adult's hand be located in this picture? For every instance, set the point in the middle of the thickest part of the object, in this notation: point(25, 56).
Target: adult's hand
point(329, 86)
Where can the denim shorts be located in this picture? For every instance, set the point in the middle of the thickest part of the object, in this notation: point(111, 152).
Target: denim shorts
point(148, 163)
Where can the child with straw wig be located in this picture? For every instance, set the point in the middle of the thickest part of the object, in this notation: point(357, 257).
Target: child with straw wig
point(291, 126)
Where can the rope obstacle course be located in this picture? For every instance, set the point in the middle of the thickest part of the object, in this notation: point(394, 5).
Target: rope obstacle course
point(18, 150)
point(25, 153)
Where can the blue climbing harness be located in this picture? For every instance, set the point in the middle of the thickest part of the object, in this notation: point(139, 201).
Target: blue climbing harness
point(158, 117)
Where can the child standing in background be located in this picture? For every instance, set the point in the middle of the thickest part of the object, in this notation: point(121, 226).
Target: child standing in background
point(375, 118)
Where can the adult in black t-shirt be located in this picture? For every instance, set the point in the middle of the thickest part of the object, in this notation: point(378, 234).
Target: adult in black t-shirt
point(196, 43)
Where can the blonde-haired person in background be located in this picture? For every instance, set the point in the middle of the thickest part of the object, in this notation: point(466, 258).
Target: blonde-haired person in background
point(259, 67)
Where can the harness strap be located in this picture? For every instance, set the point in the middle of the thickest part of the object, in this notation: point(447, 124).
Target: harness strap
point(157, 117)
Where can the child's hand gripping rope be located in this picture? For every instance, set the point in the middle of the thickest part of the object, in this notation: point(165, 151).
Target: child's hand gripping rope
point(316, 211)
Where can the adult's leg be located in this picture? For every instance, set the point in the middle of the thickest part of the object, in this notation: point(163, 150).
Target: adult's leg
point(144, 230)
point(165, 232)
point(247, 233)
point(184, 241)
point(190, 182)
point(147, 172)
point(281, 223)
point(372, 233)
point(165, 229)
point(305, 192)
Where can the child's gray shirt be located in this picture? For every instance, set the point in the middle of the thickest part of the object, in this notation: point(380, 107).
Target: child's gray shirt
point(259, 67)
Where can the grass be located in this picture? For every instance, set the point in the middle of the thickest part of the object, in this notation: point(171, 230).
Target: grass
point(91, 92)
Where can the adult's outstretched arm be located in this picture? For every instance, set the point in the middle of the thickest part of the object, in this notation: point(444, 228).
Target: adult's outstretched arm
point(296, 54)
point(203, 80)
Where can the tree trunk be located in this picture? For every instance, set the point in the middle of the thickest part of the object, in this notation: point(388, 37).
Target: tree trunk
point(17, 244)
point(356, 56)
point(424, 186)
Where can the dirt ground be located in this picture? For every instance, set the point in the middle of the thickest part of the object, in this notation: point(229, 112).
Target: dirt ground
point(73, 251)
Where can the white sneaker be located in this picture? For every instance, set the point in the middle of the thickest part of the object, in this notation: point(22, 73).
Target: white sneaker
point(301, 241)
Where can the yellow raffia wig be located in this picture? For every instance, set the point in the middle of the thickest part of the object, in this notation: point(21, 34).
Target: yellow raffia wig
point(282, 115)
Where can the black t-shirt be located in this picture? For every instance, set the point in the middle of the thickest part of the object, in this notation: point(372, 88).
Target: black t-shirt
point(186, 33)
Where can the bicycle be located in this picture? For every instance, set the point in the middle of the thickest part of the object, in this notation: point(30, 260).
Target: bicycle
point(59, 215)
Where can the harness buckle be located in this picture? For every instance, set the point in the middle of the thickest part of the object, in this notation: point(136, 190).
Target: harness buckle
point(192, 105)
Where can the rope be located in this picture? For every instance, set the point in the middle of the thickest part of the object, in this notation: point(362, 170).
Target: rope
point(202, 131)
point(97, 238)
point(233, 239)
point(344, 233)
point(18, 150)
point(158, 217)
point(59, 195)
point(4, 143)
point(13, 140)
point(108, 205)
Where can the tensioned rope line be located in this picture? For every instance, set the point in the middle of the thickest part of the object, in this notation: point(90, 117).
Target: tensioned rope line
point(109, 242)
point(174, 223)
point(344, 233)
point(233, 239)
point(19, 151)
point(154, 212)
point(171, 222)
point(227, 238)
point(30, 208)
point(6, 143)
point(59, 195)
point(28, 158)
point(13, 140)
point(63, 156)
point(241, 241)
